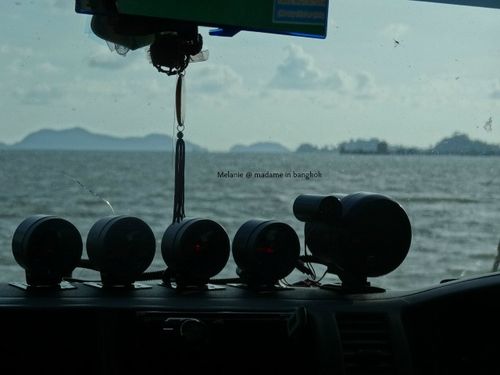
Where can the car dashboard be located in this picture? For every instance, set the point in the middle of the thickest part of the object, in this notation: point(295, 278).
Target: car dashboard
point(447, 329)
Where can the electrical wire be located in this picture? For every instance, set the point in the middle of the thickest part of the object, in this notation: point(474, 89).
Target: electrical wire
point(309, 264)
point(322, 277)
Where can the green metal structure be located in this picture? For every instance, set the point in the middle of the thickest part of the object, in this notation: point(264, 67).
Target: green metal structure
point(293, 17)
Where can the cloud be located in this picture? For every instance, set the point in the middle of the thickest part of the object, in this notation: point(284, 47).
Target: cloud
point(27, 68)
point(214, 79)
point(365, 87)
point(15, 51)
point(40, 94)
point(299, 72)
point(153, 88)
point(97, 88)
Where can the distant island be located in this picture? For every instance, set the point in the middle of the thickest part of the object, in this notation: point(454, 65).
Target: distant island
point(457, 144)
point(461, 144)
point(263, 147)
point(307, 147)
point(81, 139)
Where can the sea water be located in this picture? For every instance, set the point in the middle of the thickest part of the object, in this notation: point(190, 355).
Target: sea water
point(453, 202)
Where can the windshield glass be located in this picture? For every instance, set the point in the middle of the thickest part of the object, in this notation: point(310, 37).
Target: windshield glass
point(402, 98)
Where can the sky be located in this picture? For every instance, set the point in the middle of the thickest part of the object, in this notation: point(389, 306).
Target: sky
point(442, 77)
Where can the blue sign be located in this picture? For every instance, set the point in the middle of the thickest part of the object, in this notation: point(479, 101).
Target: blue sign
point(305, 12)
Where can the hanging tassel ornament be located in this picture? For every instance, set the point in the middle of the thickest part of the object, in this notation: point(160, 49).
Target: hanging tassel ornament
point(180, 152)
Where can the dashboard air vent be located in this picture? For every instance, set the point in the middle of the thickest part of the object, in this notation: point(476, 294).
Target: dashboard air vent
point(366, 344)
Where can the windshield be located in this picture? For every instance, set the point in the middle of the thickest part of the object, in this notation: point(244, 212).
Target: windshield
point(402, 98)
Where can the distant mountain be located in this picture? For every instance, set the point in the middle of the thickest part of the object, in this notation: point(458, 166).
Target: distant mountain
point(461, 144)
point(457, 144)
point(363, 146)
point(81, 139)
point(264, 147)
point(307, 147)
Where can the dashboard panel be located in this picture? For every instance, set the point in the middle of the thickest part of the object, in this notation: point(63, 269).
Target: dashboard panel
point(447, 329)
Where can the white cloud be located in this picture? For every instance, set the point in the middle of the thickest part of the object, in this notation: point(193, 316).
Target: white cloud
point(299, 72)
point(154, 88)
point(365, 86)
point(44, 93)
point(15, 51)
point(39, 94)
point(26, 68)
point(216, 79)
point(101, 88)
